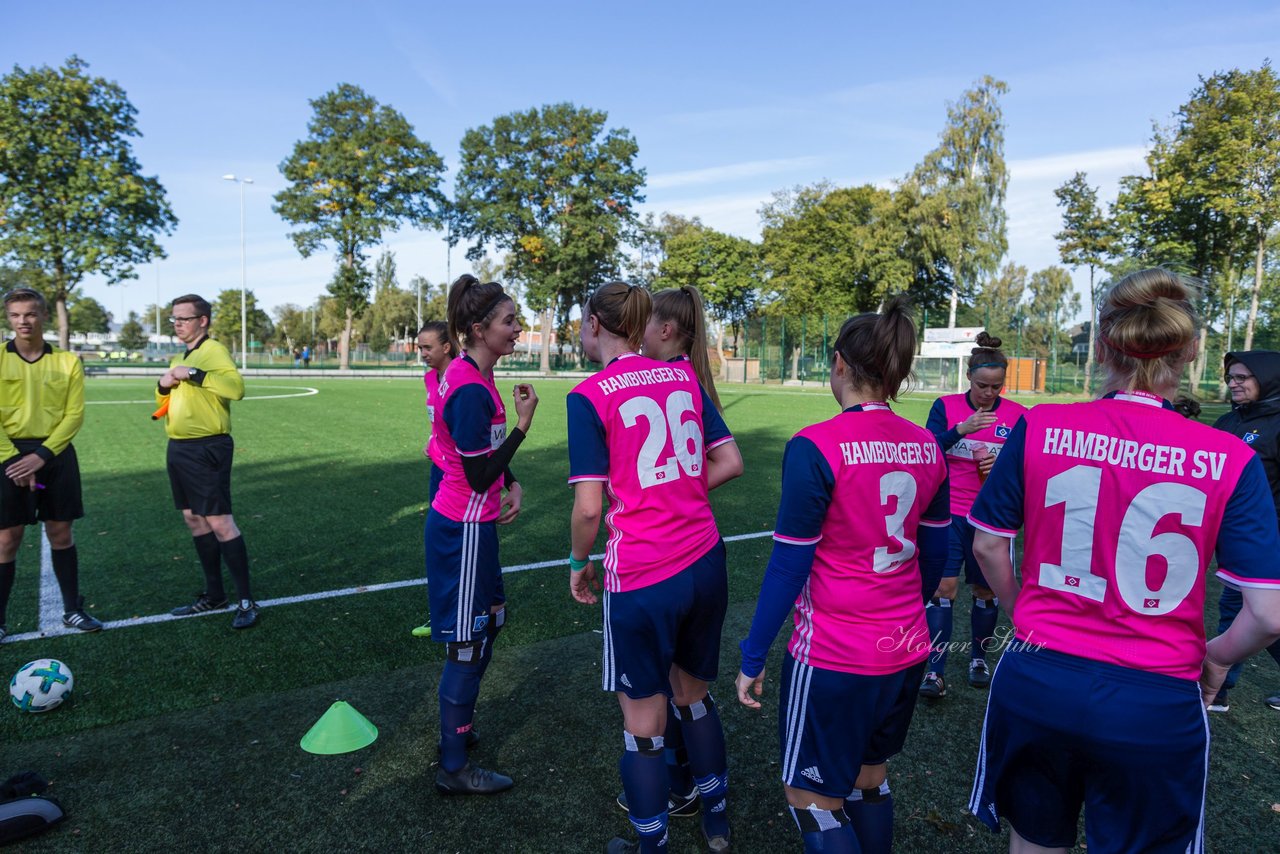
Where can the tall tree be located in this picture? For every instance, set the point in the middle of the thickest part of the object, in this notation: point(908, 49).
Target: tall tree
point(967, 173)
point(87, 315)
point(73, 201)
point(1054, 302)
point(132, 335)
point(225, 325)
point(1087, 240)
point(555, 191)
point(1000, 297)
point(360, 171)
point(292, 326)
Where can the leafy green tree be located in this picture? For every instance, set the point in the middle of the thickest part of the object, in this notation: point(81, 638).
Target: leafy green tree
point(724, 268)
point(73, 201)
point(132, 335)
point(225, 324)
point(1054, 302)
point(87, 315)
point(966, 173)
point(1087, 240)
point(360, 171)
point(555, 191)
point(292, 326)
point(999, 300)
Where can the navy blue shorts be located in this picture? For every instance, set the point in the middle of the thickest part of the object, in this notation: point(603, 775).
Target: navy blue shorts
point(58, 501)
point(464, 577)
point(1063, 732)
point(677, 621)
point(831, 723)
point(960, 553)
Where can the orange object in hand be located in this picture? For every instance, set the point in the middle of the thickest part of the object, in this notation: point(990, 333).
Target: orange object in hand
point(162, 411)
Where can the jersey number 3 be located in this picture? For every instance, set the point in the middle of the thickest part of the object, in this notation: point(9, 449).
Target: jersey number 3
point(1078, 488)
point(685, 436)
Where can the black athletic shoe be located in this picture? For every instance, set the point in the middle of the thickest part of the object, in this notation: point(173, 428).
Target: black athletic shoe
point(1221, 703)
point(80, 619)
point(618, 845)
point(4, 632)
point(933, 687)
point(246, 614)
point(717, 844)
point(471, 779)
point(678, 806)
point(202, 605)
point(1273, 701)
point(979, 673)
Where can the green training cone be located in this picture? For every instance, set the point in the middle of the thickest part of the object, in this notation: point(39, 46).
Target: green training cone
point(340, 730)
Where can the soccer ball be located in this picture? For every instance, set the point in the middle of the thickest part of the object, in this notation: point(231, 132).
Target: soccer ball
point(41, 685)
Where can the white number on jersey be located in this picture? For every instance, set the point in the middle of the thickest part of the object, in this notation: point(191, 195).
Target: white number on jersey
point(900, 486)
point(685, 435)
point(1078, 489)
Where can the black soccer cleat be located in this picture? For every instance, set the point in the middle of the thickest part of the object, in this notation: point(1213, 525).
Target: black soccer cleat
point(618, 845)
point(678, 806)
point(979, 673)
point(202, 605)
point(933, 687)
point(471, 779)
point(1273, 702)
point(79, 619)
point(717, 844)
point(246, 614)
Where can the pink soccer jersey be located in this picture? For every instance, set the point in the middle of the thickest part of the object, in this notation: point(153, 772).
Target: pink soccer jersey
point(640, 427)
point(470, 421)
point(1124, 502)
point(861, 610)
point(963, 455)
point(432, 382)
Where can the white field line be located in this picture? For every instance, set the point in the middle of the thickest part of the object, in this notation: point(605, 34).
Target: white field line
point(303, 391)
point(50, 593)
point(58, 629)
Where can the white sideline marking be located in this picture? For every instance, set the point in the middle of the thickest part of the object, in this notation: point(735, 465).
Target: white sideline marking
point(301, 391)
point(56, 629)
point(50, 593)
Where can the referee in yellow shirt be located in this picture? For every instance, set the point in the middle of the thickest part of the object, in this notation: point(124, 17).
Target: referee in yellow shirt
point(41, 410)
point(200, 385)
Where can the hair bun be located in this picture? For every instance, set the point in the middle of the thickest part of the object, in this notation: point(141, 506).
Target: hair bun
point(988, 342)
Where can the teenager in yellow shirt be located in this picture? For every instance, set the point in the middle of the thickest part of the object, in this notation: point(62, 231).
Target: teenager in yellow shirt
point(41, 410)
point(200, 385)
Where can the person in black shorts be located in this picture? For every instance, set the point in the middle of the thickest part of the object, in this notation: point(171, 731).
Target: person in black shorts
point(200, 385)
point(41, 410)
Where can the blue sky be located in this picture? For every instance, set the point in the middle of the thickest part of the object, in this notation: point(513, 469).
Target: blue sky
point(728, 102)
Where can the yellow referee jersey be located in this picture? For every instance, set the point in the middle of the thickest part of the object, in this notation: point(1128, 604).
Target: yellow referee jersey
point(43, 399)
point(201, 406)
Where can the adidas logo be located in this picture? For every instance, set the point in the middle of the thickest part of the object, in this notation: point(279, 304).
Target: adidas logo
point(812, 773)
point(625, 681)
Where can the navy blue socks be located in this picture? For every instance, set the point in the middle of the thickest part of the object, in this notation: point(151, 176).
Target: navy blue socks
point(644, 779)
point(938, 615)
point(870, 812)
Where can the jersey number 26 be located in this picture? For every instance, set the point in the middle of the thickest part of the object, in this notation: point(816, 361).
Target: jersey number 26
point(685, 435)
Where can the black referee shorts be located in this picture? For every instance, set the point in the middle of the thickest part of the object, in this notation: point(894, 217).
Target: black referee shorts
point(200, 474)
point(58, 501)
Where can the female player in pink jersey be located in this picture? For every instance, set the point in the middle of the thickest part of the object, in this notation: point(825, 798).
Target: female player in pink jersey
point(1100, 703)
point(645, 431)
point(971, 428)
point(677, 329)
point(860, 542)
point(464, 577)
point(437, 349)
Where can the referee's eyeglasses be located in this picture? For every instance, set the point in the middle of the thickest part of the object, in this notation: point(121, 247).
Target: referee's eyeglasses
point(176, 320)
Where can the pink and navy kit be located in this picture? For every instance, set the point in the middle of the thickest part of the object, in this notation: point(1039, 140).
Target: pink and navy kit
point(944, 417)
point(472, 423)
point(643, 428)
point(432, 382)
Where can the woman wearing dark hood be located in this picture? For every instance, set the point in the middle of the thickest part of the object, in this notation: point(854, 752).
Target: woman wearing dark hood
point(1253, 381)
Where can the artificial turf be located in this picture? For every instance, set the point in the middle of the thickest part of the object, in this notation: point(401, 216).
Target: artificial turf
point(185, 734)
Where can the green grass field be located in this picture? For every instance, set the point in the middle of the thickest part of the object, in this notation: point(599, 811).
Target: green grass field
point(184, 734)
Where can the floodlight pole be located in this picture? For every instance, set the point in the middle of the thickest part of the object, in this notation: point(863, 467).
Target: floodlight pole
point(244, 311)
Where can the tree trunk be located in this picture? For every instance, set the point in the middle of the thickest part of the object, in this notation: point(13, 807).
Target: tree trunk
point(544, 363)
point(344, 343)
point(1257, 286)
point(64, 323)
point(1197, 367)
point(955, 299)
point(724, 365)
point(1093, 325)
point(795, 362)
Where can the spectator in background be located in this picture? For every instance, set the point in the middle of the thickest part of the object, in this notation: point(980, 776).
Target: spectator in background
point(1253, 381)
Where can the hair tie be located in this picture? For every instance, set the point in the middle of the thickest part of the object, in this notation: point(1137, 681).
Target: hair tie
point(988, 365)
point(1140, 354)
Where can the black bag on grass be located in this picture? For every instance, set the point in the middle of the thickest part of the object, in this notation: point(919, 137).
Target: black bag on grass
point(23, 812)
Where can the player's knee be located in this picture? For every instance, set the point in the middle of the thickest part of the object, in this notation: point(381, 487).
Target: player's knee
point(696, 710)
point(59, 534)
point(871, 776)
point(947, 588)
point(10, 540)
point(983, 594)
point(224, 527)
point(645, 745)
point(871, 794)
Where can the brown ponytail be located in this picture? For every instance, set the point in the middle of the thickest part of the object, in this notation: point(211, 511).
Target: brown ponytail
point(471, 302)
point(878, 348)
point(987, 354)
point(683, 308)
point(622, 309)
point(1146, 329)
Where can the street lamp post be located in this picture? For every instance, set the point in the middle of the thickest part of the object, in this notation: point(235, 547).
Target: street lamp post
point(244, 311)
